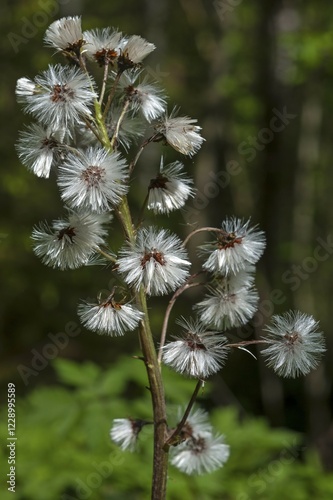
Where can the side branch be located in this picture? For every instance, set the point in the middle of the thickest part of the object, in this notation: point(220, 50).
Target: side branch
point(172, 301)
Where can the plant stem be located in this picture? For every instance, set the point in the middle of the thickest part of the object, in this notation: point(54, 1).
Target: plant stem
point(112, 93)
point(173, 438)
point(120, 119)
point(160, 464)
point(172, 301)
point(200, 230)
point(247, 342)
point(142, 147)
point(105, 78)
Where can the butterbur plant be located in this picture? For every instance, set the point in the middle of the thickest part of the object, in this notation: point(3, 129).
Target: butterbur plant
point(87, 132)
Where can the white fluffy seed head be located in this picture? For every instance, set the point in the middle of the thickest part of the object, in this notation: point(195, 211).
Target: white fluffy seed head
point(157, 261)
point(197, 352)
point(235, 247)
point(295, 346)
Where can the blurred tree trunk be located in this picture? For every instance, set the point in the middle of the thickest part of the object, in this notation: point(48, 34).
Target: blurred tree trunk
point(269, 184)
point(304, 237)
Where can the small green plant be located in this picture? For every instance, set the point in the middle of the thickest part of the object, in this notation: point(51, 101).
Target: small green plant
point(63, 453)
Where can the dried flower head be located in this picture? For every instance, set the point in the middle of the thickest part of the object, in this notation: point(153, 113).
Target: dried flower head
point(236, 246)
point(181, 133)
point(125, 432)
point(197, 353)
point(102, 45)
point(157, 261)
point(200, 451)
point(39, 148)
point(59, 97)
point(93, 179)
point(109, 317)
point(133, 50)
point(231, 303)
point(170, 189)
point(70, 243)
point(144, 97)
point(295, 344)
point(65, 35)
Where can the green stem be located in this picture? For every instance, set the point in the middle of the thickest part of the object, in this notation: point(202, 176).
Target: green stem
point(112, 93)
point(120, 119)
point(103, 133)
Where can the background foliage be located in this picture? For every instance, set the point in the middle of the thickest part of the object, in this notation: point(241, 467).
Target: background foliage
point(64, 453)
point(229, 64)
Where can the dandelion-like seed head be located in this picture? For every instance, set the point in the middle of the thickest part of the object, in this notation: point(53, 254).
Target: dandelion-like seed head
point(295, 344)
point(236, 246)
point(231, 303)
point(200, 454)
point(65, 35)
point(93, 179)
point(170, 189)
point(144, 97)
point(60, 97)
point(157, 261)
point(197, 424)
point(181, 133)
point(70, 243)
point(102, 45)
point(133, 50)
point(125, 432)
point(39, 149)
point(110, 317)
point(197, 353)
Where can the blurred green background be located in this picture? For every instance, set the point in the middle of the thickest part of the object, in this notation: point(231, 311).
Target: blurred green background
point(258, 76)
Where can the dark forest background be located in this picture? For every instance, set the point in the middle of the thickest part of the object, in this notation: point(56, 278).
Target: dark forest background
point(258, 76)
